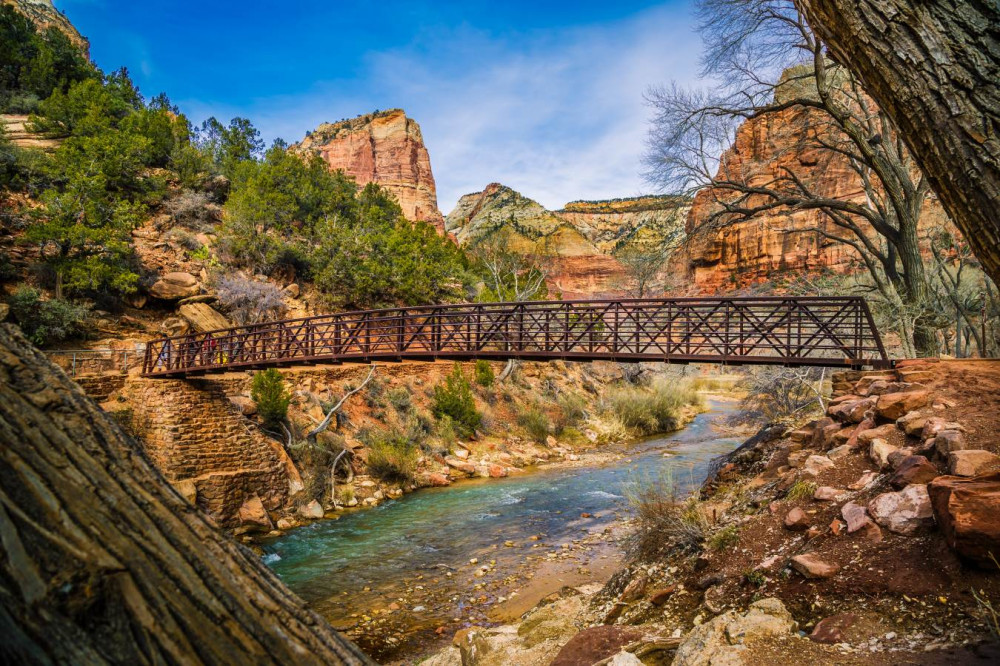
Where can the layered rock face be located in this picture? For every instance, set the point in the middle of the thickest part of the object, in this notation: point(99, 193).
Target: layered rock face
point(579, 242)
point(616, 224)
point(577, 268)
point(44, 15)
point(386, 148)
point(717, 258)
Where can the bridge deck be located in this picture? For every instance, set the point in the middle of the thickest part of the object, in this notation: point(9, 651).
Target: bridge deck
point(836, 331)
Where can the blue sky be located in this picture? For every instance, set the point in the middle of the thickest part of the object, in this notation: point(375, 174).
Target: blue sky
point(546, 97)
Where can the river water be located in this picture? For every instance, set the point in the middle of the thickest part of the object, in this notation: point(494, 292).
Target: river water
point(390, 575)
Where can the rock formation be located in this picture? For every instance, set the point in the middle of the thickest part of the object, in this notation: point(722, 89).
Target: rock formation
point(717, 258)
point(44, 15)
point(581, 239)
point(646, 221)
point(384, 147)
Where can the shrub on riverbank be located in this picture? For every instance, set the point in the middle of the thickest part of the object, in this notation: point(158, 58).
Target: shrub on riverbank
point(654, 409)
point(392, 456)
point(536, 423)
point(268, 391)
point(664, 523)
point(453, 398)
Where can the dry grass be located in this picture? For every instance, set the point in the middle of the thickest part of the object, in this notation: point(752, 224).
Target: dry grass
point(664, 523)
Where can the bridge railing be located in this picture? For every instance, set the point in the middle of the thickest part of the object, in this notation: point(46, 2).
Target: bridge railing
point(836, 331)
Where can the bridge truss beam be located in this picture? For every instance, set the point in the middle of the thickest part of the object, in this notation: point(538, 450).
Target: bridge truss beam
point(815, 331)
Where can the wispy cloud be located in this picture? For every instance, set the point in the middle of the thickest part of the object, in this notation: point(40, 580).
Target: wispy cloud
point(558, 115)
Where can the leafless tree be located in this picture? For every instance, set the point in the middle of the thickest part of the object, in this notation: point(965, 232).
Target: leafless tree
point(764, 60)
point(248, 301)
point(510, 276)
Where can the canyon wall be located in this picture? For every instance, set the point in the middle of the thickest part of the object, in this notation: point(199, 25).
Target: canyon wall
point(714, 258)
point(386, 148)
point(44, 15)
point(614, 225)
point(577, 268)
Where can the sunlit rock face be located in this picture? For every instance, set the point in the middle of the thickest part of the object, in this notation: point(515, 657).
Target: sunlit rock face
point(718, 258)
point(386, 148)
point(44, 15)
point(578, 243)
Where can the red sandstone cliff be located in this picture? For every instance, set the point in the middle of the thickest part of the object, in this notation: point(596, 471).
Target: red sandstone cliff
point(44, 15)
point(386, 148)
point(716, 259)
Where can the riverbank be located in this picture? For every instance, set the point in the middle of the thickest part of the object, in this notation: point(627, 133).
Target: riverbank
point(860, 538)
point(402, 578)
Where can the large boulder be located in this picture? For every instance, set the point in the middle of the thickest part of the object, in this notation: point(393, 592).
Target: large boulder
point(253, 514)
point(596, 643)
point(724, 638)
point(203, 317)
point(968, 511)
point(175, 286)
point(893, 405)
point(886, 431)
point(905, 512)
point(975, 462)
point(879, 452)
point(948, 441)
point(852, 411)
point(913, 470)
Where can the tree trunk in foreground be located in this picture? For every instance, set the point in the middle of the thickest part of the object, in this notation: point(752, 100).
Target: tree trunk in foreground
point(934, 67)
point(101, 561)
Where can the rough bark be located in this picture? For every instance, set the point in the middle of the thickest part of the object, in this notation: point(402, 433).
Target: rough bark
point(934, 68)
point(101, 561)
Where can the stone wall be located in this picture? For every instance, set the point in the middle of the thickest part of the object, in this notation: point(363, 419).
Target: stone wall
point(204, 447)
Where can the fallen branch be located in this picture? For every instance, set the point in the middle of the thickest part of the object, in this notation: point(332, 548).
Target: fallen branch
point(325, 423)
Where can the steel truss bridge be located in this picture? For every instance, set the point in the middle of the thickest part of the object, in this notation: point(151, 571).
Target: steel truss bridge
point(813, 331)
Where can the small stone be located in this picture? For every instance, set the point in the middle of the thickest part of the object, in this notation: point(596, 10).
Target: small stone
point(827, 494)
point(865, 437)
point(796, 520)
point(313, 510)
point(662, 595)
point(855, 515)
point(830, 630)
point(814, 465)
point(811, 566)
point(864, 481)
point(839, 452)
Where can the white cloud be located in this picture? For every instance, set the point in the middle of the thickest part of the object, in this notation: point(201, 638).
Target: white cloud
point(557, 115)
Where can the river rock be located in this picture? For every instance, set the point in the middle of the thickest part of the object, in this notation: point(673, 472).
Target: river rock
point(595, 644)
point(723, 639)
point(974, 462)
point(905, 512)
point(968, 511)
point(460, 465)
point(253, 513)
point(313, 510)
